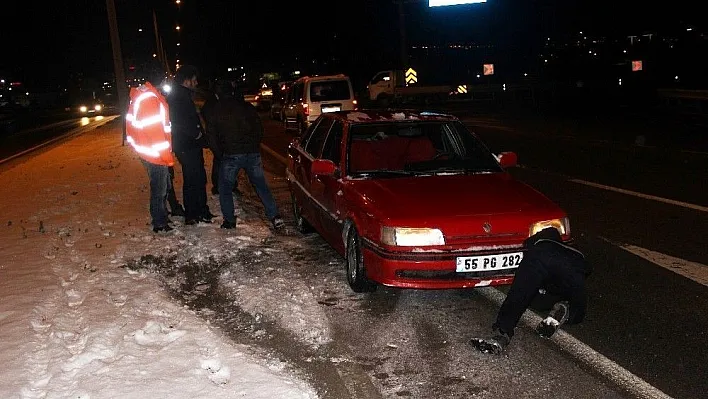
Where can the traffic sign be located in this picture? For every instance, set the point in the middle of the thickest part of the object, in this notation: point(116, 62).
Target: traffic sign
point(462, 89)
point(488, 69)
point(636, 66)
point(411, 76)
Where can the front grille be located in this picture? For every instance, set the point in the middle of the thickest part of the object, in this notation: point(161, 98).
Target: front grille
point(448, 275)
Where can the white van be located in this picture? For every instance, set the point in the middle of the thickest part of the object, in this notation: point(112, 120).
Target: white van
point(310, 96)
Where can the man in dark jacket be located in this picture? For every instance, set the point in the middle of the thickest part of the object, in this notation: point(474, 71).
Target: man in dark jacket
point(216, 160)
point(187, 143)
point(234, 132)
point(548, 266)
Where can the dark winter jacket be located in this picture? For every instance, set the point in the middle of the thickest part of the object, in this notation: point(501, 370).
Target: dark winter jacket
point(233, 127)
point(186, 125)
point(563, 269)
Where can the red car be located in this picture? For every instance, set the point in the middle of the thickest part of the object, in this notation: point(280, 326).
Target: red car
point(414, 200)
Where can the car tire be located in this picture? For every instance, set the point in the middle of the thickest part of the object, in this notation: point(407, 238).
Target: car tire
point(301, 225)
point(356, 271)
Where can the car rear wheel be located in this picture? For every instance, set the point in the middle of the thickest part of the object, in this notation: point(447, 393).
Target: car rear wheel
point(302, 225)
point(356, 272)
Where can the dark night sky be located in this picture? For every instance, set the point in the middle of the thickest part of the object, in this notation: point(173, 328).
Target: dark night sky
point(44, 43)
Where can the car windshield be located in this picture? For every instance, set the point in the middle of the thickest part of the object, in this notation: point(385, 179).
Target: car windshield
point(406, 148)
point(329, 90)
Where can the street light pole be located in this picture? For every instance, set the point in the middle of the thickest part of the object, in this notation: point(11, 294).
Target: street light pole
point(117, 61)
point(402, 33)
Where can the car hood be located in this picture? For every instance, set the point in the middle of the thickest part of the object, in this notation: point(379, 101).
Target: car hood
point(446, 197)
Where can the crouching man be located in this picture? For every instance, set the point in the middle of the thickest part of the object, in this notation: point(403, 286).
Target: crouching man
point(549, 266)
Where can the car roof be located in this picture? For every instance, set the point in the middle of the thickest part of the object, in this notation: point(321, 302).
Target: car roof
point(390, 115)
point(316, 78)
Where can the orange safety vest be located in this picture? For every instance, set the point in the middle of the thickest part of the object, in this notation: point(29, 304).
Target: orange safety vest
point(148, 125)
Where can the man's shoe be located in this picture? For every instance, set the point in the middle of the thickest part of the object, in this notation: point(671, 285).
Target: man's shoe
point(166, 228)
point(494, 344)
point(556, 317)
point(228, 225)
point(177, 211)
point(278, 223)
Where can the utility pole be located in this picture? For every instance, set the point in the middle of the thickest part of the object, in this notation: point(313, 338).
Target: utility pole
point(117, 62)
point(402, 33)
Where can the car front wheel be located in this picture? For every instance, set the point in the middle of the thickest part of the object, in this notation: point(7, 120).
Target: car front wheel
point(356, 272)
point(302, 225)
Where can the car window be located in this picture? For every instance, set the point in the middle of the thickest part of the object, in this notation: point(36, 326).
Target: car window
point(308, 133)
point(417, 148)
point(380, 77)
point(332, 149)
point(317, 137)
point(330, 90)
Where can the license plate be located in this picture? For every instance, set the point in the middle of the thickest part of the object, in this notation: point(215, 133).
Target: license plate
point(331, 109)
point(489, 262)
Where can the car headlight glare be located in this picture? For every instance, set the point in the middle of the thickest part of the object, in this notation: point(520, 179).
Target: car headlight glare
point(97, 107)
point(83, 108)
point(562, 225)
point(411, 237)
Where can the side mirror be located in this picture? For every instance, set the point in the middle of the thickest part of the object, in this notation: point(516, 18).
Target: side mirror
point(508, 159)
point(323, 167)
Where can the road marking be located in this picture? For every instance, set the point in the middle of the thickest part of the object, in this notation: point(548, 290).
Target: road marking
point(595, 360)
point(640, 195)
point(693, 270)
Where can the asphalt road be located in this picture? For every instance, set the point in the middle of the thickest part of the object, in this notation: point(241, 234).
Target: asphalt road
point(639, 213)
point(40, 135)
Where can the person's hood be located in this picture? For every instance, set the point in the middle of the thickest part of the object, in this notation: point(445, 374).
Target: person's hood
point(547, 234)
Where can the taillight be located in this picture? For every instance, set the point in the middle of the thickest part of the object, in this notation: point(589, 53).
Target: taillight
point(306, 109)
point(355, 103)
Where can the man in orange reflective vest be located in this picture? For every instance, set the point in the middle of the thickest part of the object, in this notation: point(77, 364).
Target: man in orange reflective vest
point(148, 131)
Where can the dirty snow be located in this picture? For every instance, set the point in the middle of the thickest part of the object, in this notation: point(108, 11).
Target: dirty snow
point(77, 322)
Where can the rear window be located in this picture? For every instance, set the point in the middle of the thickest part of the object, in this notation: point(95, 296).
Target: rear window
point(330, 90)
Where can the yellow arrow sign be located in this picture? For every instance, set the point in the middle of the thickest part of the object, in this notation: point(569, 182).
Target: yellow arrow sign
point(411, 76)
point(462, 89)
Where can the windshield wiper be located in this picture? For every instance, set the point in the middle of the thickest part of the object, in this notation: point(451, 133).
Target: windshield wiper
point(384, 173)
point(465, 170)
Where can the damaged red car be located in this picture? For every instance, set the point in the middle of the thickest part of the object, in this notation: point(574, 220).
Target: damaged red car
point(414, 200)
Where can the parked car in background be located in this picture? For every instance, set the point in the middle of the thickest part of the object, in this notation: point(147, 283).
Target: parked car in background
point(311, 96)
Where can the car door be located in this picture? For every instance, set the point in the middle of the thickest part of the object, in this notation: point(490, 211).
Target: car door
point(326, 190)
point(309, 149)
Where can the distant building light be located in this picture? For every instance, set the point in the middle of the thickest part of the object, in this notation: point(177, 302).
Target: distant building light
point(178, 44)
point(140, 29)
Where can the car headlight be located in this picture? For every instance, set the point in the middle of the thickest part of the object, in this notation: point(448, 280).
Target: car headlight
point(411, 237)
point(97, 107)
point(83, 108)
point(562, 225)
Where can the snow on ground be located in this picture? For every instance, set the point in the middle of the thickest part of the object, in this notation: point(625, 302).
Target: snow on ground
point(83, 316)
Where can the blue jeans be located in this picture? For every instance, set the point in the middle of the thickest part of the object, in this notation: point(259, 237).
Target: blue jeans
point(160, 183)
point(230, 166)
